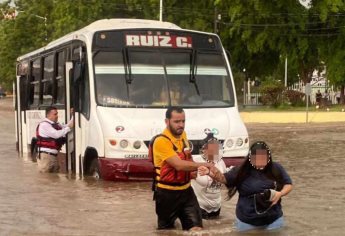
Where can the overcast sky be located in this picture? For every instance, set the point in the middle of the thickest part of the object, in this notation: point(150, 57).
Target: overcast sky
point(1, 1)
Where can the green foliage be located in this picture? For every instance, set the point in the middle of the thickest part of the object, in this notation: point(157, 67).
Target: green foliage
point(238, 79)
point(7, 59)
point(259, 34)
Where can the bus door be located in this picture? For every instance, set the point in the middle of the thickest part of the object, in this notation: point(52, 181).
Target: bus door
point(74, 79)
point(21, 102)
point(70, 143)
point(18, 120)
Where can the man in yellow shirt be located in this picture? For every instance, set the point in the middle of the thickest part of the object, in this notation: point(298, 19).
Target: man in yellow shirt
point(173, 163)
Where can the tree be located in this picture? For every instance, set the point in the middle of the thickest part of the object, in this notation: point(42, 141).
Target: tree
point(334, 50)
point(7, 59)
point(261, 34)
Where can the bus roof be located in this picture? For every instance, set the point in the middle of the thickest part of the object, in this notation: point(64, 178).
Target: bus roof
point(106, 24)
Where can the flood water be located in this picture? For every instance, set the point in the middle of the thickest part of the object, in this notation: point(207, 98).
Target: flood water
point(58, 204)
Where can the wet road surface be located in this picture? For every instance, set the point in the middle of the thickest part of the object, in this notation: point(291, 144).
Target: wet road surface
point(57, 204)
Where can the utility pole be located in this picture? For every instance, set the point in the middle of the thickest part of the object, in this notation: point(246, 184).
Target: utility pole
point(215, 21)
point(285, 72)
point(40, 17)
point(45, 24)
point(217, 18)
point(161, 10)
point(244, 87)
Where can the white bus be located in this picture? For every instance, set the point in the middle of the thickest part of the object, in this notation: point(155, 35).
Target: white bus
point(120, 75)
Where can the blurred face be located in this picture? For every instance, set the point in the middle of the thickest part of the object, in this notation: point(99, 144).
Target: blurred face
point(176, 123)
point(260, 159)
point(211, 151)
point(175, 97)
point(53, 115)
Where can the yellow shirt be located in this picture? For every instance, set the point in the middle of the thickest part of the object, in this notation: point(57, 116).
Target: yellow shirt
point(163, 149)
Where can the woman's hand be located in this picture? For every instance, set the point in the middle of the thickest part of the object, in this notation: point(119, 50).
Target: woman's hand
point(203, 170)
point(285, 190)
point(213, 172)
point(276, 198)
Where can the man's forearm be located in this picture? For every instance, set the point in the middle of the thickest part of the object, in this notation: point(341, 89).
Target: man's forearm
point(187, 165)
point(183, 165)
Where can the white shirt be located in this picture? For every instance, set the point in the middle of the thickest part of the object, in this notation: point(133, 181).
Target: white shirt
point(206, 189)
point(46, 130)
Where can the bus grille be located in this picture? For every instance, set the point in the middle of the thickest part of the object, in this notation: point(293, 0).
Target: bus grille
point(197, 144)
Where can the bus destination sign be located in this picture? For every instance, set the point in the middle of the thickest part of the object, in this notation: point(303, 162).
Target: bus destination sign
point(168, 41)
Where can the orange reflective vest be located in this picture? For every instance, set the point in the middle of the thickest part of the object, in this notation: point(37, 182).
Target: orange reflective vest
point(168, 175)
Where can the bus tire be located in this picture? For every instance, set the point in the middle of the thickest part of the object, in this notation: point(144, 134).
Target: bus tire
point(94, 170)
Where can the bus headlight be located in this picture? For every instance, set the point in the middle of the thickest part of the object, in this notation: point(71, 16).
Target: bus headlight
point(239, 142)
point(124, 143)
point(229, 143)
point(137, 144)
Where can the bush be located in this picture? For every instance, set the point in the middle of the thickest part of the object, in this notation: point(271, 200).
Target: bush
point(271, 93)
point(295, 98)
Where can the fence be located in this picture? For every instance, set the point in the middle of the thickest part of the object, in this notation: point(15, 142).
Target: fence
point(331, 97)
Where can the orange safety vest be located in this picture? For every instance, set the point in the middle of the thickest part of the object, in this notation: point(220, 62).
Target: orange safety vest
point(168, 175)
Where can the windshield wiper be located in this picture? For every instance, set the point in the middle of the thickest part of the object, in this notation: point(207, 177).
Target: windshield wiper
point(128, 71)
point(193, 71)
point(127, 64)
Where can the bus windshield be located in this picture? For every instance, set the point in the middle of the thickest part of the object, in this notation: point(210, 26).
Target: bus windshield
point(160, 78)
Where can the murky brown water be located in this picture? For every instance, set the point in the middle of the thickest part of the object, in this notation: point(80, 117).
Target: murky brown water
point(45, 204)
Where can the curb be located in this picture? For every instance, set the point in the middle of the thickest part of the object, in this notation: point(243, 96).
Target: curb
point(292, 117)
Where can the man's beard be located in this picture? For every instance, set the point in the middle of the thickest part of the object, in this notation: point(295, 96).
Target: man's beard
point(175, 132)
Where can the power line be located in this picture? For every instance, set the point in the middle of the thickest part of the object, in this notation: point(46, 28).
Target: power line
point(240, 25)
point(210, 10)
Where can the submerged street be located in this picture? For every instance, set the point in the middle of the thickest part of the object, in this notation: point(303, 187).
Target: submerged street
point(58, 204)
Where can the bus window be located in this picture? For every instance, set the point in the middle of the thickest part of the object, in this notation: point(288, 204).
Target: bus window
point(152, 74)
point(147, 75)
point(22, 71)
point(22, 68)
point(111, 89)
point(213, 80)
point(85, 94)
point(178, 73)
point(35, 83)
point(47, 81)
point(212, 86)
point(60, 84)
point(23, 87)
point(148, 81)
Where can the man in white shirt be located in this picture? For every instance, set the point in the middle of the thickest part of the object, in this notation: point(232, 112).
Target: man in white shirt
point(50, 138)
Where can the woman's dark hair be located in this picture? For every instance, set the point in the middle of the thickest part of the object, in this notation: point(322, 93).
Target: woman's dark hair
point(244, 169)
